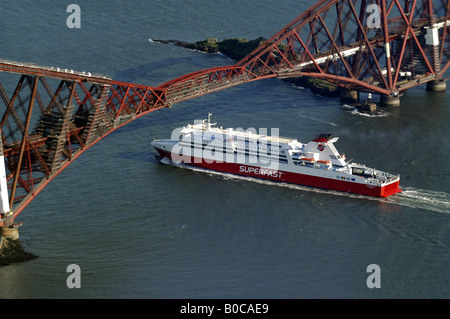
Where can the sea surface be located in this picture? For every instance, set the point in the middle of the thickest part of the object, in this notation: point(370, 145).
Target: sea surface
point(138, 228)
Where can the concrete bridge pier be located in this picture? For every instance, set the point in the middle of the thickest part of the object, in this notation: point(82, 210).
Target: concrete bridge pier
point(390, 100)
point(11, 250)
point(437, 86)
point(349, 96)
point(8, 237)
point(11, 233)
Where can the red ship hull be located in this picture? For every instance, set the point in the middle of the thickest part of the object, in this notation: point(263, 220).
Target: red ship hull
point(292, 178)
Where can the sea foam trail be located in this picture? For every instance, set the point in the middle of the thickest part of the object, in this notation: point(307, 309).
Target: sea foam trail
point(353, 110)
point(409, 197)
point(423, 199)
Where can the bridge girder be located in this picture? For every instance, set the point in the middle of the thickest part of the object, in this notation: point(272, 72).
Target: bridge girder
point(377, 46)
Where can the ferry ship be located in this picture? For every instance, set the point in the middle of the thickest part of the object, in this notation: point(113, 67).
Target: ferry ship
point(315, 164)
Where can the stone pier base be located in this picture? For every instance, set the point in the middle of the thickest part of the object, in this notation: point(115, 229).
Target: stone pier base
point(349, 96)
point(11, 233)
point(11, 250)
point(437, 86)
point(389, 101)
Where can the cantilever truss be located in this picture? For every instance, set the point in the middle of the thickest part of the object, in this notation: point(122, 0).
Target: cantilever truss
point(49, 121)
point(376, 46)
point(53, 115)
point(379, 46)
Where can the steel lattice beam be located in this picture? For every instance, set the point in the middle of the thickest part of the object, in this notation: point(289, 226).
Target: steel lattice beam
point(77, 114)
point(333, 40)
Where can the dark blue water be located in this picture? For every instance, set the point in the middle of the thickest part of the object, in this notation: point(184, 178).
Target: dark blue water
point(141, 229)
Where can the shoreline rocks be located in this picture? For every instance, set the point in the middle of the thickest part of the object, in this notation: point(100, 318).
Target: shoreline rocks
point(235, 49)
point(11, 251)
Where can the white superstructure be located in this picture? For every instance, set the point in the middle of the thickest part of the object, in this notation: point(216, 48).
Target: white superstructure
point(317, 163)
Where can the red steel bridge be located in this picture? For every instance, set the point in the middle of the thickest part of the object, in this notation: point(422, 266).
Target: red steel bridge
point(53, 115)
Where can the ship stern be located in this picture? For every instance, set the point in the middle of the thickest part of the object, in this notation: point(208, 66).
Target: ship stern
point(391, 189)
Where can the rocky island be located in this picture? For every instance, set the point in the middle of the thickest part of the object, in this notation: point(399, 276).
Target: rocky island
point(235, 49)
